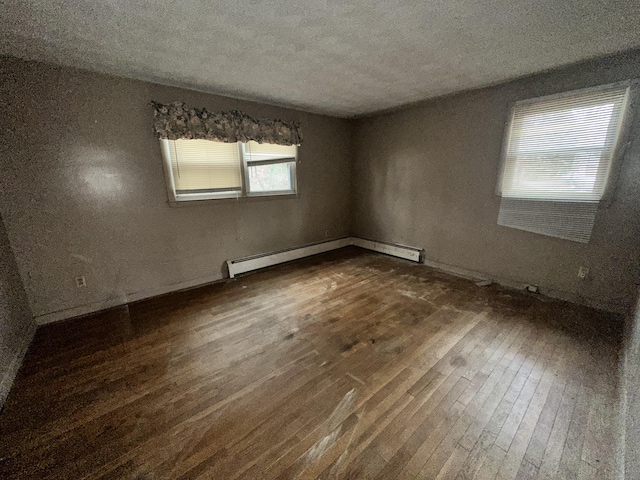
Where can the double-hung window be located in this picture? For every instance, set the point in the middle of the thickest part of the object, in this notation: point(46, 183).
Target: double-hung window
point(557, 160)
point(205, 169)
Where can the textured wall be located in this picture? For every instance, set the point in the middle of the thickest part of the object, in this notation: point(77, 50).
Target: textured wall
point(16, 323)
point(426, 175)
point(83, 191)
point(632, 392)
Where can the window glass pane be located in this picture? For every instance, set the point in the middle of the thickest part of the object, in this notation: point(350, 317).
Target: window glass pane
point(275, 177)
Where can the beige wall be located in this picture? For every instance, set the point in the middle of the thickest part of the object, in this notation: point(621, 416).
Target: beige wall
point(631, 391)
point(83, 192)
point(425, 176)
point(16, 323)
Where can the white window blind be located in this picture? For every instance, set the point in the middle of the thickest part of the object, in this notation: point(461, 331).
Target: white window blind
point(262, 152)
point(205, 169)
point(557, 160)
point(201, 166)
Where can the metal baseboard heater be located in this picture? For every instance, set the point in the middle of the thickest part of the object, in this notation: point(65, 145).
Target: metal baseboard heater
point(255, 262)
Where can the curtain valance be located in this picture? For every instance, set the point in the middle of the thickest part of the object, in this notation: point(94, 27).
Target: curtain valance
point(175, 121)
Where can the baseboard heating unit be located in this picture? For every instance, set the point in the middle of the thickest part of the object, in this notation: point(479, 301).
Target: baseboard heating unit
point(248, 264)
point(393, 249)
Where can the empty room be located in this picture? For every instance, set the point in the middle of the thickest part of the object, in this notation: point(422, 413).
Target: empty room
point(311, 239)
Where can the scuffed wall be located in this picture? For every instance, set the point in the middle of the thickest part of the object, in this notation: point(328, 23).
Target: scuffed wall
point(16, 322)
point(425, 176)
point(83, 191)
point(632, 393)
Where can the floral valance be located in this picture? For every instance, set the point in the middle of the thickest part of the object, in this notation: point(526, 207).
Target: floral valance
point(175, 121)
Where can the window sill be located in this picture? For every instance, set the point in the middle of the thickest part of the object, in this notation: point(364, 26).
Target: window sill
point(225, 200)
point(604, 202)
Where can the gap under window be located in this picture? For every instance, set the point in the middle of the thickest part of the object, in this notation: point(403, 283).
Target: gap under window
point(205, 169)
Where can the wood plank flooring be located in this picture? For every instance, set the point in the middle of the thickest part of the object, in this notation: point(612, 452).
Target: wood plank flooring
point(345, 365)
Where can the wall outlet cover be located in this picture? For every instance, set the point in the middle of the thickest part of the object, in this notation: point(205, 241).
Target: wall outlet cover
point(583, 272)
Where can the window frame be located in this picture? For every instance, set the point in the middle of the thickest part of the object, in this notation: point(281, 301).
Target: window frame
point(242, 193)
point(622, 139)
point(290, 161)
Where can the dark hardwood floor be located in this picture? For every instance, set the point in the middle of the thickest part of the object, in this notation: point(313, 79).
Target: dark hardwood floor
point(345, 365)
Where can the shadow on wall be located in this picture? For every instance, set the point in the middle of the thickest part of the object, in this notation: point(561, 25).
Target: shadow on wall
point(17, 326)
point(632, 394)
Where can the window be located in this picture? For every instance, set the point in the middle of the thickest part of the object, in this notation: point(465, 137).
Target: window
point(269, 168)
point(204, 169)
point(558, 158)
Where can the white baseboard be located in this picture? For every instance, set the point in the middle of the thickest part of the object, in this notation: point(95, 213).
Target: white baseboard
point(79, 311)
point(123, 299)
point(460, 271)
point(236, 267)
point(545, 292)
point(243, 265)
point(11, 372)
point(401, 251)
point(261, 261)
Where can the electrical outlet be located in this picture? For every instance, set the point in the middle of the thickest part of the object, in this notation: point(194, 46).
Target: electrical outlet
point(583, 272)
point(80, 281)
point(326, 233)
point(532, 288)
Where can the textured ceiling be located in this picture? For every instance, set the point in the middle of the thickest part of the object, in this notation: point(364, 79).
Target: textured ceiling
point(337, 57)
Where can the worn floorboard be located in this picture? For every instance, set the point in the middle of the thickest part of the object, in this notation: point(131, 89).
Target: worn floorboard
point(345, 365)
